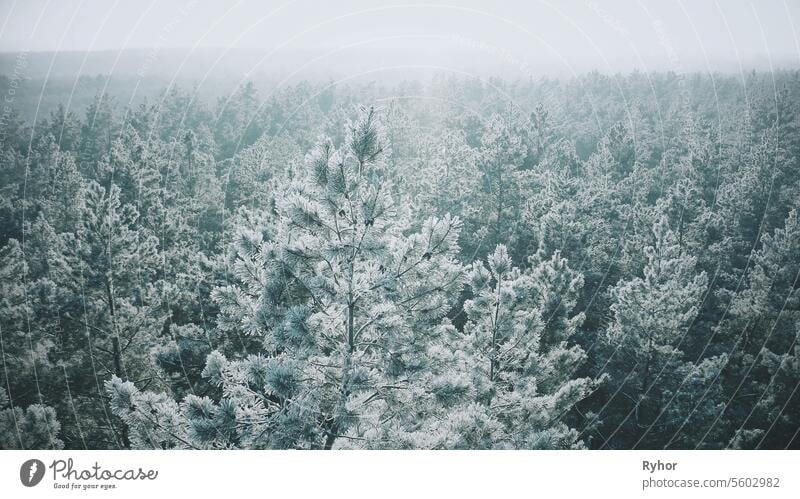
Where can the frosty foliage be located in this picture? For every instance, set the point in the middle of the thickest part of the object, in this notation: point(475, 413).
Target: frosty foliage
point(466, 265)
point(346, 301)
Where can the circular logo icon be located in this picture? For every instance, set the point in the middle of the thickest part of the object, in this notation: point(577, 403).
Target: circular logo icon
point(31, 472)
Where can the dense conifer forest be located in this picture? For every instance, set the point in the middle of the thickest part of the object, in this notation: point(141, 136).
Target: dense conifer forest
point(602, 261)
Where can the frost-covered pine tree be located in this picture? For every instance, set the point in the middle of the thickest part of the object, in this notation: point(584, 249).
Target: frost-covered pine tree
point(112, 263)
point(504, 156)
point(36, 427)
point(652, 315)
point(764, 324)
point(508, 380)
point(333, 296)
point(652, 312)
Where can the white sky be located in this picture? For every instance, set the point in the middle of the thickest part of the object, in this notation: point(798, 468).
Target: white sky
point(619, 34)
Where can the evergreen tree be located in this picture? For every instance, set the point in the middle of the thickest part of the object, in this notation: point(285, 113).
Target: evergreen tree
point(507, 380)
point(652, 316)
point(333, 299)
point(762, 327)
point(36, 427)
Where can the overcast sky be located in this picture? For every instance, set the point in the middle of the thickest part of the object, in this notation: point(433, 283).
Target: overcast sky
point(613, 35)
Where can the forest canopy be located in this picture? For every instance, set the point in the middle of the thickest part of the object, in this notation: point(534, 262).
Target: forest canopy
point(603, 262)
